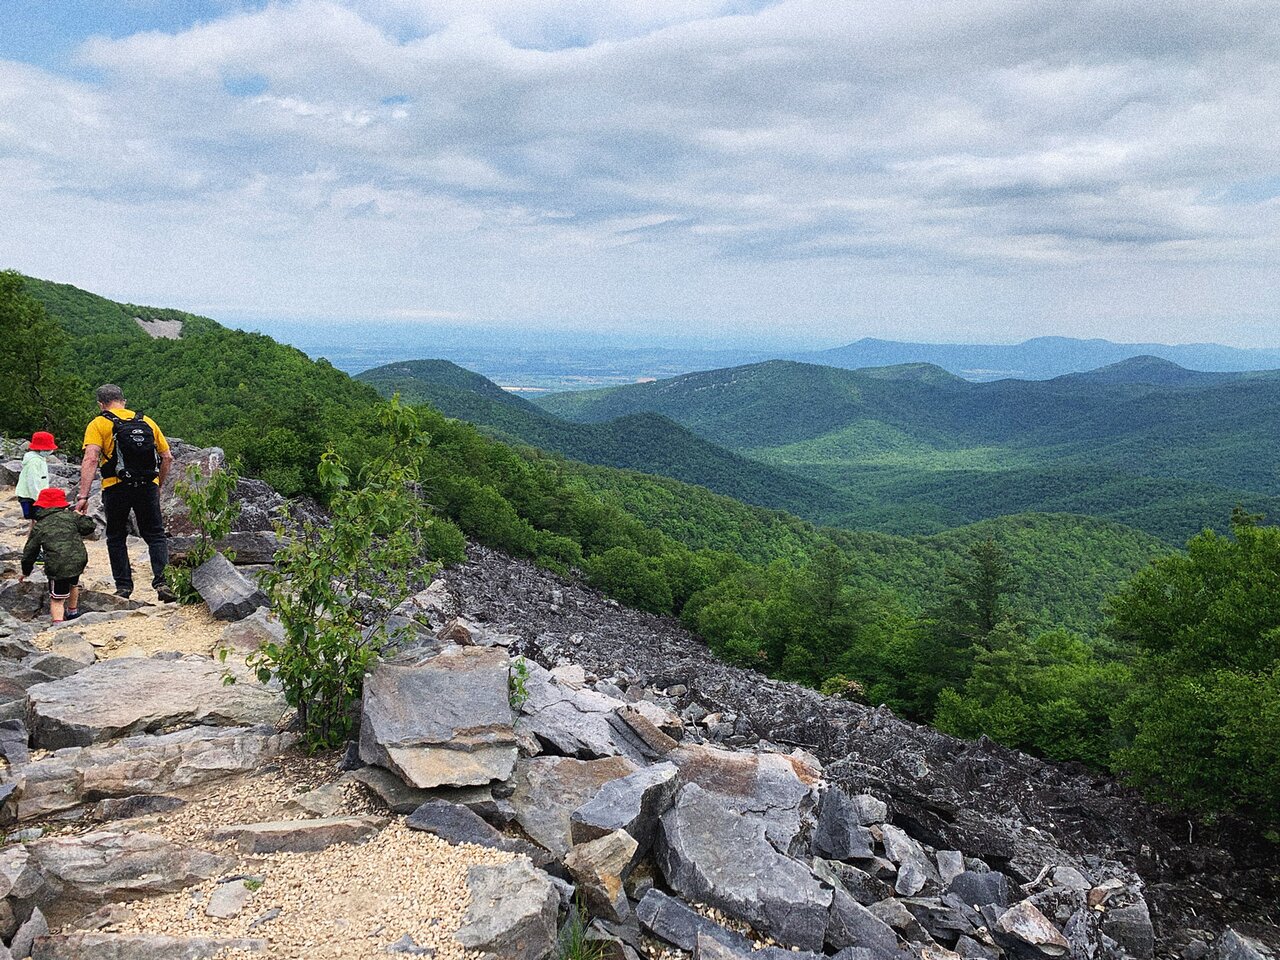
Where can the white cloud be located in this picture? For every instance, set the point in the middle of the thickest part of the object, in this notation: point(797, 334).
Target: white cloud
point(911, 166)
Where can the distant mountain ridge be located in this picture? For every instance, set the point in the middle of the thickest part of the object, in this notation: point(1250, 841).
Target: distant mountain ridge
point(916, 450)
point(644, 441)
point(1040, 358)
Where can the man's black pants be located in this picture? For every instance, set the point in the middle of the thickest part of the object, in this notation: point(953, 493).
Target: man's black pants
point(119, 500)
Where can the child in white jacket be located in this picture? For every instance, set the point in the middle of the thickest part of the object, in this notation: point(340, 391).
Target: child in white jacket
point(35, 472)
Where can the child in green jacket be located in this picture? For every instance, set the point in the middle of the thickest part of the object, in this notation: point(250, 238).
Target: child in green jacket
point(58, 533)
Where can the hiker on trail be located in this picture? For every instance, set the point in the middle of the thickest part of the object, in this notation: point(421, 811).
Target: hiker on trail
point(57, 535)
point(134, 456)
point(35, 473)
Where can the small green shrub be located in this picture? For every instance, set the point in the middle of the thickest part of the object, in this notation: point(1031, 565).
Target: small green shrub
point(574, 944)
point(211, 512)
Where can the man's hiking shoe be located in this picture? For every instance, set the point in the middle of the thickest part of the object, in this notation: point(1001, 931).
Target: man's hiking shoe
point(124, 594)
point(165, 595)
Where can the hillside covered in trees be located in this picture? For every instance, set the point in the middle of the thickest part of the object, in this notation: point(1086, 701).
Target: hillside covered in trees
point(1001, 627)
point(915, 449)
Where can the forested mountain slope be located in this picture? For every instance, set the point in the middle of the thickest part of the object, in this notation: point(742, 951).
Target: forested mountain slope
point(647, 442)
point(917, 450)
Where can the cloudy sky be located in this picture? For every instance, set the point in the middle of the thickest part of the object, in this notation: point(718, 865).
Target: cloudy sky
point(968, 169)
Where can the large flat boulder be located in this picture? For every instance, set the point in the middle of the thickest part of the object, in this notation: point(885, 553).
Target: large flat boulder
point(512, 914)
point(136, 766)
point(711, 854)
point(228, 594)
point(549, 789)
point(131, 695)
point(106, 866)
point(442, 721)
point(780, 789)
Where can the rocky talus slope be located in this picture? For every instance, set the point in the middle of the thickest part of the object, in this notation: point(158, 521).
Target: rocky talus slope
point(532, 751)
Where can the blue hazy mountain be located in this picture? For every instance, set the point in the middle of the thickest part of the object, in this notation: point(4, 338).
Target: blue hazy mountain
point(1041, 358)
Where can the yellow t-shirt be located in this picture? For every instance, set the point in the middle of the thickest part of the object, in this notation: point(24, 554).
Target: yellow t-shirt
point(99, 432)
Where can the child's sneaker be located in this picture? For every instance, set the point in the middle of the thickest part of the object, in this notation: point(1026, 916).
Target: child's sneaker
point(71, 614)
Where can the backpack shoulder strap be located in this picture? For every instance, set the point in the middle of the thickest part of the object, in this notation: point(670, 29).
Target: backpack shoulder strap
point(111, 416)
point(138, 416)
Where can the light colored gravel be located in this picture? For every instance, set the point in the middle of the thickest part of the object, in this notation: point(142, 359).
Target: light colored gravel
point(343, 902)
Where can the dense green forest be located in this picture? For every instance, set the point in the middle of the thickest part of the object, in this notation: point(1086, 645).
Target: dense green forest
point(914, 449)
point(998, 627)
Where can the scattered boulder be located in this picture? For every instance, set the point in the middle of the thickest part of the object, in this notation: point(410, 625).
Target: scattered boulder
point(837, 835)
point(1233, 945)
point(777, 788)
point(13, 742)
point(74, 647)
point(248, 635)
point(301, 836)
point(1130, 926)
point(914, 868)
point(225, 590)
point(23, 941)
point(710, 854)
point(398, 796)
point(228, 899)
point(600, 866)
point(981, 889)
point(574, 721)
point(850, 924)
point(139, 946)
point(443, 721)
point(549, 789)
point(513, 911)
point(24, 600)
point(105, 866)
point(73, 776)
point(139, 805)
point(1024, 923)
point(249, 547)
point(632, 803)
point(454, 823)
point(322, 801)
point(680, 925)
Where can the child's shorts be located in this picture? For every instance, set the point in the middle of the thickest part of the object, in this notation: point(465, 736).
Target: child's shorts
point(61, 589)
point(27, 504)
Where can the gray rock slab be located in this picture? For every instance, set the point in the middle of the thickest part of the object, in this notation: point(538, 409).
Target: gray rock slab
point(1131, 927)
point(228, 594)
point(142, 765)
point(549, 789)
point(710, 854)
point(301, 836)
point(139, 805)
point(23, 941)
point(633, 803)
point(1233, 945)
point(915, 869)
point(139, 946)
point(106, 866)
point(838, 835)
point(600, 866)
point(981, 889)
point(443, 721)
point(248, 635)
point(850, 924)
point(130, 695)
point(513, 912)
point(678, 924)
point(778, 788)
point(1024, 923)
point(576, 722)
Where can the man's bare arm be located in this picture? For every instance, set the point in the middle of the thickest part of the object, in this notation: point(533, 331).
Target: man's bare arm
point(88, 468)
point(166, 463)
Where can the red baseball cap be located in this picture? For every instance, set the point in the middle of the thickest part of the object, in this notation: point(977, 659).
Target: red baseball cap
point(43, 440)
point(51, 497)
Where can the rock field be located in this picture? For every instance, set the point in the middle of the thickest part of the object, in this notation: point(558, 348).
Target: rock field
point(681, 807)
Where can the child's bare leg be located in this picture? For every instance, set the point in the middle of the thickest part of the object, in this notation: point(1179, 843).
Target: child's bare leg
point(73, 601)
point(57, 612)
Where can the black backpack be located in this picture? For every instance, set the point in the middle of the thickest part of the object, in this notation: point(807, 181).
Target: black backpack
point(136, 461)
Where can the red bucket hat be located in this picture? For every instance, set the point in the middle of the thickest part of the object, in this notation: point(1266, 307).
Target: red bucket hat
point(43, 440)
point(51, 497)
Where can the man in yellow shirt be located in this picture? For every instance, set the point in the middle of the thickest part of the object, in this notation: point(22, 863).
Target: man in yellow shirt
point(134, 457)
